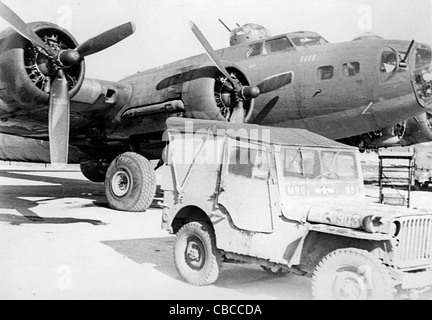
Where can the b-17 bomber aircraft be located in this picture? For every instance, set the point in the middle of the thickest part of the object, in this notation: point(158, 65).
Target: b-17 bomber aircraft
point(370, 92)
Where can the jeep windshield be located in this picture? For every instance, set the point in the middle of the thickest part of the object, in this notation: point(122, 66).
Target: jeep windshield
point(304, 164)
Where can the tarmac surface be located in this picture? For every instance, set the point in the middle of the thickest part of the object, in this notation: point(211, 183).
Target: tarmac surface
point(59, 240)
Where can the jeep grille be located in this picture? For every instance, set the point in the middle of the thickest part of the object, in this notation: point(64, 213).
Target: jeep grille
point(414, 248)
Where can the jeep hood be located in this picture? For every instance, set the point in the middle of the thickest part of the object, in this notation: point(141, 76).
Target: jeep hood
point(357, 213)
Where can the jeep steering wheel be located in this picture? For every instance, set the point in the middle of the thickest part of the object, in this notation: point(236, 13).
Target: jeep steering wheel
point(328, 174)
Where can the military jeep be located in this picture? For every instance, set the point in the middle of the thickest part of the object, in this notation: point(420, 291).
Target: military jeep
point(290, 201)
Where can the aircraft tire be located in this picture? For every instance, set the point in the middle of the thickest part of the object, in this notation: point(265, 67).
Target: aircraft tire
point(130, 183)
point(351, 274)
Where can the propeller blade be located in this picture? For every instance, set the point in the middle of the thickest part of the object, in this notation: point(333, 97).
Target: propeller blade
point(210, 52)
point(59, 114)
point(106, 39)
point(20, 26)
point(275, 82)
point(238, 114)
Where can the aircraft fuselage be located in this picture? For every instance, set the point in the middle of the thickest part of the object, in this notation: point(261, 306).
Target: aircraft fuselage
point(337, 90)
point(339, 105)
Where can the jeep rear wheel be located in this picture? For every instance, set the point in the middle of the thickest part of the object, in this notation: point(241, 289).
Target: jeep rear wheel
point(351, 274)
point(195, 254)
point(130, 183)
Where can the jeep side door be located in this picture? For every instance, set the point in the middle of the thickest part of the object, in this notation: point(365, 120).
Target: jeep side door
point(245, 181)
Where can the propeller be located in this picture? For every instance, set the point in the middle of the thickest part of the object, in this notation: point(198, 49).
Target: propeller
point(59, 114)
point(243, 93)
point(94, 45)
point(106, 39)
point(20, 26)
point(58, 60)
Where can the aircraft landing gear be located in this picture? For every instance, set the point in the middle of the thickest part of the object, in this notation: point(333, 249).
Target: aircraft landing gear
point(94, 170)
point(130, 183)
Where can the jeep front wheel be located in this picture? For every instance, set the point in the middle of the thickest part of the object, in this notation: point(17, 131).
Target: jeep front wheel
point(130, 183)
point(351, 274)
point(195, 254)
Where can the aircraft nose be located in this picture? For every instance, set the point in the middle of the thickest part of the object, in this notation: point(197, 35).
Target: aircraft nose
point(422, 75)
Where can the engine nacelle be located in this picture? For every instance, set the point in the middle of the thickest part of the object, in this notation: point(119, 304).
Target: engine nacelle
point(209, 95)
point(199, 94)
point(204, 91)
point(25, 74)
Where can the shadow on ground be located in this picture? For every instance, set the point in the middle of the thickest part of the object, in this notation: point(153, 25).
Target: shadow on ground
point(18, 197)
point(245, 278)
point(35, 219)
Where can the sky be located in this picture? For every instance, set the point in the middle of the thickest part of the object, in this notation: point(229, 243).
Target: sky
point(163, 34)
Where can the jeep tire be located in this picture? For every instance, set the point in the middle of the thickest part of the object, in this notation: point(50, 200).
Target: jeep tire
point(195, 254)
point(351, 274)
point(130, 183)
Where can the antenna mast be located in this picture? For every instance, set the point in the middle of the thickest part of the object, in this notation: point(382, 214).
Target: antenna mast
point(224, 25)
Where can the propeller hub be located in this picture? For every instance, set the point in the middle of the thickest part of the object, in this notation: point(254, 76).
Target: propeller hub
point(251, 92)
point(69, 58)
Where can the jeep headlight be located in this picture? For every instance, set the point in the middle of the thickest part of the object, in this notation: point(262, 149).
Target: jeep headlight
point(372, 224)
point(394, 229)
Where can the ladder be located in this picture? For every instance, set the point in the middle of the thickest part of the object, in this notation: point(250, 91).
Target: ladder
point(396, 171)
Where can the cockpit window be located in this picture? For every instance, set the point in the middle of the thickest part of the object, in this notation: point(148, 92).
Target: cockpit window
point(423, 74)
point(278, 44)
point(423, 56)
point(255, 49)
point(309, 41)
point(389, 61)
